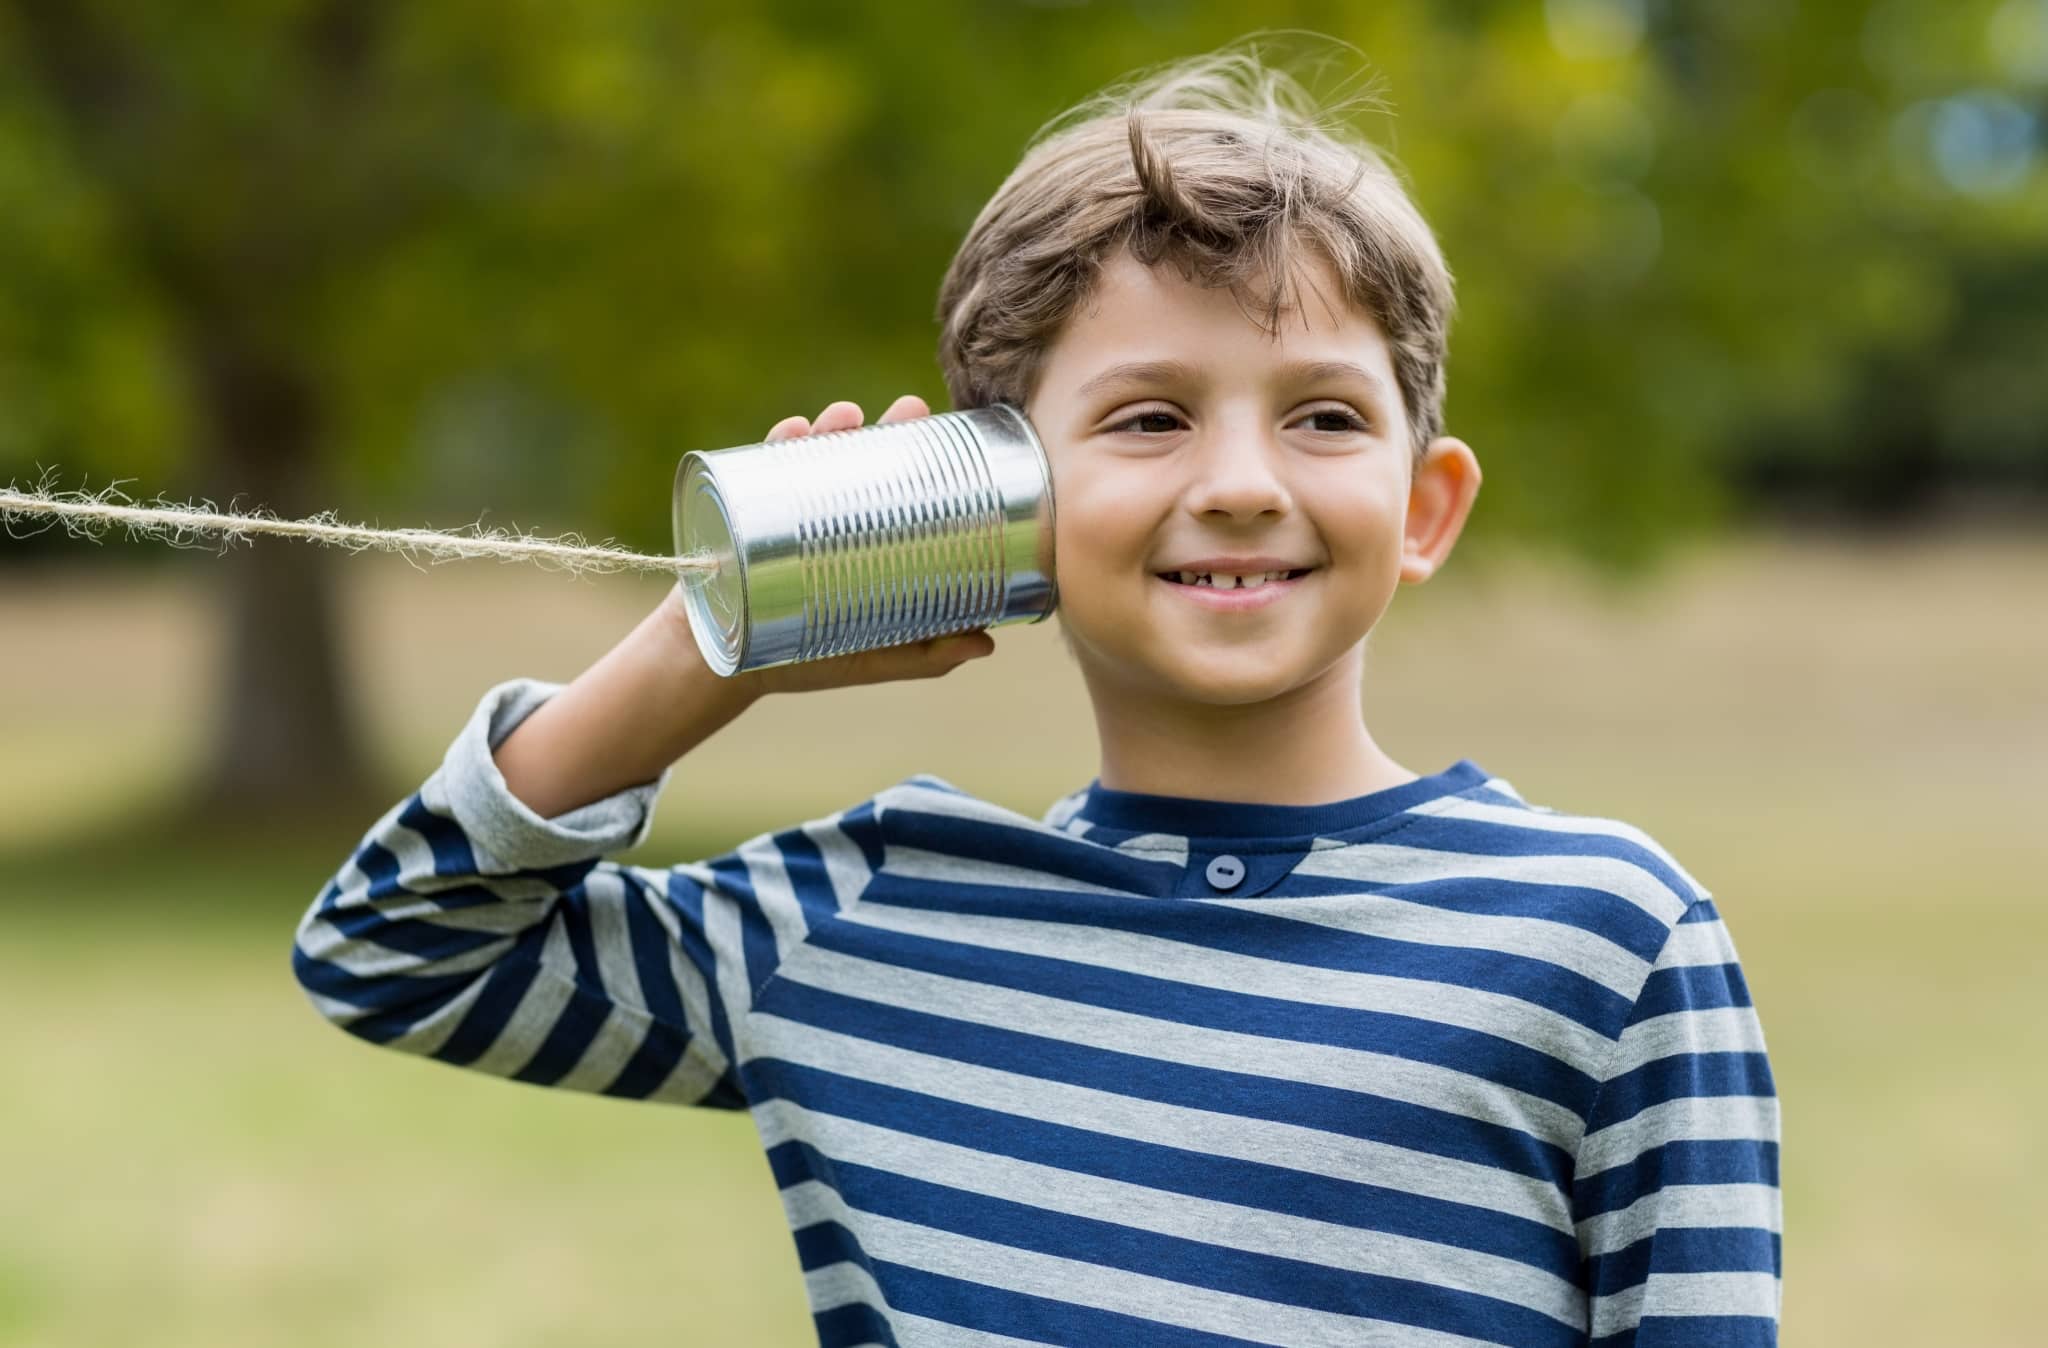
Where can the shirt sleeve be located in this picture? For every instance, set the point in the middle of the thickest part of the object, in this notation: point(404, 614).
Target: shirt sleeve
point(1675, 1185)
point(466, 928)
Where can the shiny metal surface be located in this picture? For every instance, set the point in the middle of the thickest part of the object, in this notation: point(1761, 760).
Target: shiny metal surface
point(852, 540)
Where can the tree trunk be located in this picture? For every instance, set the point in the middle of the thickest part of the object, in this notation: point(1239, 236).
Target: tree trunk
point(285, 733)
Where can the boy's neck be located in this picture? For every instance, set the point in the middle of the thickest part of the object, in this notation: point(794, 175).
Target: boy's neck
point(1309, 746)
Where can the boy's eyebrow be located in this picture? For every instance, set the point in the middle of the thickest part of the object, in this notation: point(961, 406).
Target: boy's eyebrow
point(1166, 371)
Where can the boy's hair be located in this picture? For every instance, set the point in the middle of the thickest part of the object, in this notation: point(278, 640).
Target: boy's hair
point(1222, 166)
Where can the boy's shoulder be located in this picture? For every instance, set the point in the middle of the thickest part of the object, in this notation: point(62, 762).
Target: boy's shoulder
point(1497, 810)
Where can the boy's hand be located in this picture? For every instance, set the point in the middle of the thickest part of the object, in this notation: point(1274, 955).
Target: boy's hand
point(926, 659)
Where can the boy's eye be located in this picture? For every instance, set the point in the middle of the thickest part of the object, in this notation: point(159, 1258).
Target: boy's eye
point(1154, 418)
point(1331, 421)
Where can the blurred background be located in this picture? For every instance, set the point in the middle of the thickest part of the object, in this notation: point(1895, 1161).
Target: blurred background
point(1751, 346)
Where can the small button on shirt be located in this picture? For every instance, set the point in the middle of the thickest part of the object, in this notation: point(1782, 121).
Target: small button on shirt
point(1225, 872)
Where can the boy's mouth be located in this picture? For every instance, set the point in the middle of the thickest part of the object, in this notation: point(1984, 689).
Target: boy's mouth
point(1229, 582)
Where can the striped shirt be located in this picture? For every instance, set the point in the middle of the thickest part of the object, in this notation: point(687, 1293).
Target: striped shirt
point(1428, 1066)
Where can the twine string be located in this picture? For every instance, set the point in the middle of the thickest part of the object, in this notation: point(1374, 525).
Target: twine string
point(91, 514)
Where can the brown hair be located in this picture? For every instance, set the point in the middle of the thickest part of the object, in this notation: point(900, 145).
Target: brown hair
point(1223, 166)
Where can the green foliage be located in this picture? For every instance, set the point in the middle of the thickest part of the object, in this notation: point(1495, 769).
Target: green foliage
point(527, 254)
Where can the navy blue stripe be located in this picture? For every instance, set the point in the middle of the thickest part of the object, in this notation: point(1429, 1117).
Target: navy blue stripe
point(415, 995)
point(1495, 839)
point(808, 878)
point(1723, 1331)
point(379, 868)
point(863, 825)
point(1685, 1249)
point(574, 914)
point(852, 1324)
point(1047, 853)
point(686, 897)
point(996, 1310)
point(1411, 1037)
point(444, 837)
point(757, 937)
point(1690, 987)
point(1223, 1268)
point(424, 940)
point(661, 1048)
point(582, 1016)
point(1702, 910)
point(1230, 821)
point(1253, 1184)
point(827, 1242)
point(726, 1093)
point(648, 942)
point(1244, 932)
point(502, 992)
point(1330, 1109)
point(1612, 918)
point(1716, 1161)
point(1680, 1076)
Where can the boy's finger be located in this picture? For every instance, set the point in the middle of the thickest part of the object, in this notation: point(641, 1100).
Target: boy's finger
point(789, 426)
point(907, 408)
point(839, 416)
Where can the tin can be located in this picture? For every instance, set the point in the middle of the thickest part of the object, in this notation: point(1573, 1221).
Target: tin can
point(878, 536)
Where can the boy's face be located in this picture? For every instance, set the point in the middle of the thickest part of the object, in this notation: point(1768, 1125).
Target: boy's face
point(1242, 451)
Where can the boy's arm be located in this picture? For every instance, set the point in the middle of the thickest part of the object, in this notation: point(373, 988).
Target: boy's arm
point(1675, 1190)
point(647, 702)
point(477, 924)
point(468, 928)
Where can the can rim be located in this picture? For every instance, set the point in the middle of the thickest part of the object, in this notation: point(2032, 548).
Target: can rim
point(1052, 573)
point(723, 652)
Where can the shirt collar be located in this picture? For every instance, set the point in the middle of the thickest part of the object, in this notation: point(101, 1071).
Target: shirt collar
point(1143, 812)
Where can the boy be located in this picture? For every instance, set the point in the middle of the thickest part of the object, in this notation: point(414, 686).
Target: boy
point(1260, 1036)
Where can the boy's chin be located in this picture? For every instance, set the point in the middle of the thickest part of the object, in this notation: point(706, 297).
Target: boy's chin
point(1223, 676)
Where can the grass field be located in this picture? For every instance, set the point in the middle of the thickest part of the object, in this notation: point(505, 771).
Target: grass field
point(1844, 741)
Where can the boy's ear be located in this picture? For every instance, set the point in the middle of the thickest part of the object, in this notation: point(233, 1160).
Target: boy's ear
point(1439, 498)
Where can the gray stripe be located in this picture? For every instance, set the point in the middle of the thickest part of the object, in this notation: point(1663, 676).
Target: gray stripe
point(1746, 1118)
point(1695, 944)
point(1387, 863)
point(1724, 1029)
point(919, 863)
point(722, 934)
point(1756, 1205)
point(846, 866)
point(607, 892)
point(774, 895)
point(1557, 943)
point(1687, 1294)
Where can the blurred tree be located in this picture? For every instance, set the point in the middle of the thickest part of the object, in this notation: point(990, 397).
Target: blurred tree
point(443, 260)
point(208, 137)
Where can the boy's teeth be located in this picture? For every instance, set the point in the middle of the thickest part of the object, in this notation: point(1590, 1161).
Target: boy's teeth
point(1230, 582)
